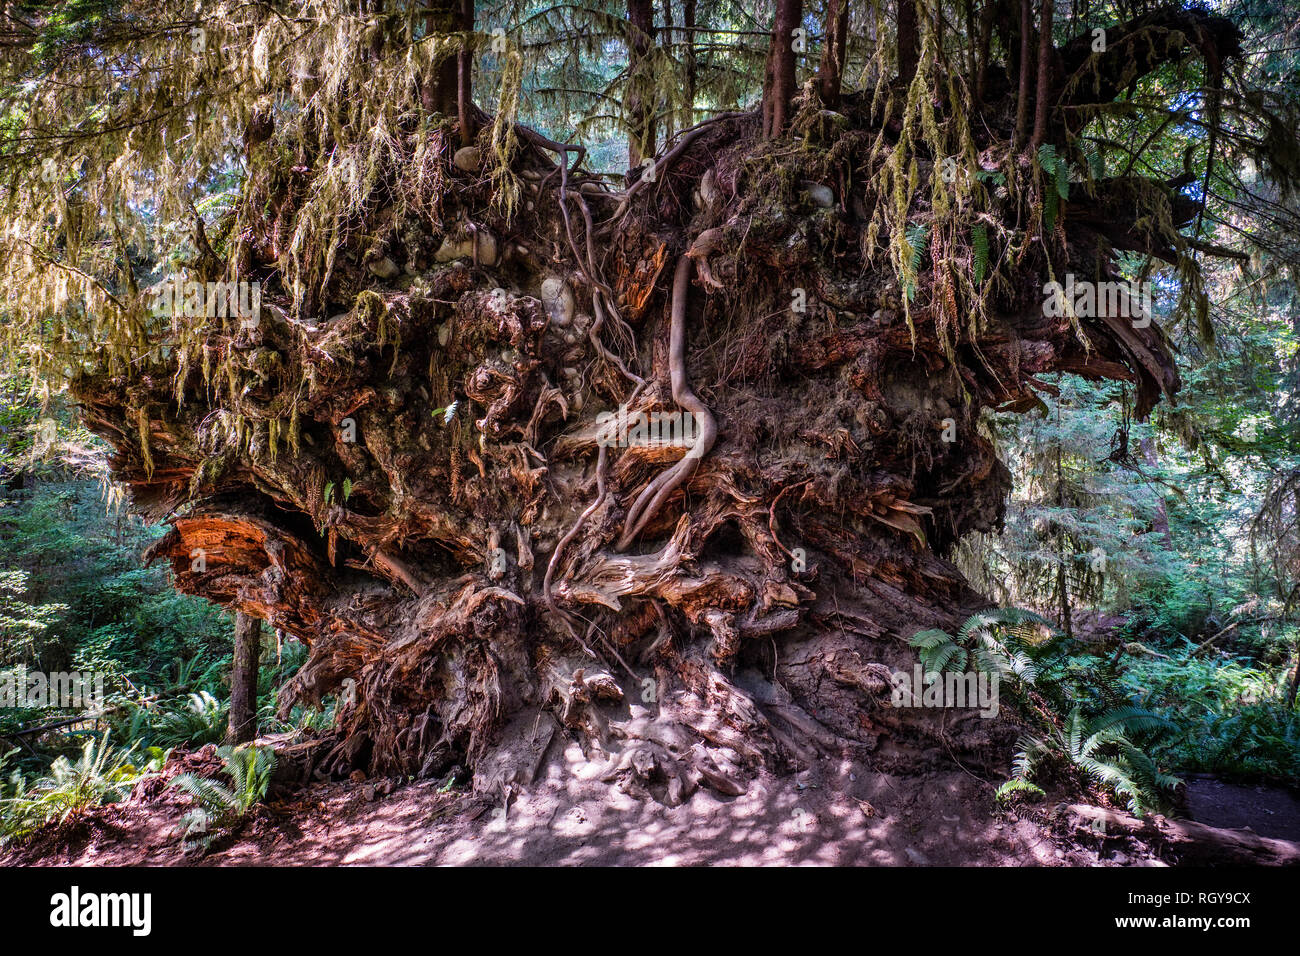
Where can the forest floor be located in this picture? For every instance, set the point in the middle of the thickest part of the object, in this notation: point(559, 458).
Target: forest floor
point(845, 815)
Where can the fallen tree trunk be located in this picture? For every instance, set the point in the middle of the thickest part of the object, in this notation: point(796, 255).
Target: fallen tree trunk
point(1187, 841)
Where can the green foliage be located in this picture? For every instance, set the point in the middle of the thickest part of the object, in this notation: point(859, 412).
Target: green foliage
point(1234, 720)
point(192, 721)
point(980, 248)
point(1102, 748)
point(23, 624)
point(87, 603)
point(308, 719)
point(73, 597)
point(1015, 787)
point(997, 641)
point(102, 774)
point(918, 234)
point(1085, 529)
point(1073, 508)
point(218, 807)
point(1102, 743)
point(1056, 170)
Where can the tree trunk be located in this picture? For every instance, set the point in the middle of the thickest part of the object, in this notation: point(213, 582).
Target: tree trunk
point(1295, 675)
point(831, 70)
point(1062, 575)
point(779, 83)
point(1160, 521)
point(1027, 66)
point(984, 50)
point(465, 76)
point(972, 42)
point(243, 679)
point(1294, 689)
point(1042, 98)
point(909, 40)
point(666, 40)
point(1192, 844)
point(446, 87)
point(688, 55)
point(439, 88)
point(641, 82)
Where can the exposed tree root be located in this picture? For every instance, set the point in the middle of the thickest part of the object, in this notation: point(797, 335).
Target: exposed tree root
point(376, 479)
point(656, 493)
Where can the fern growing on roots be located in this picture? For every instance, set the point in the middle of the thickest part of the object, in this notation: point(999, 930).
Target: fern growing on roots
point(997, 641)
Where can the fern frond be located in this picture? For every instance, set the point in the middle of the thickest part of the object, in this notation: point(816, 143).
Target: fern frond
point(206, 792)
point(917, 236)
point(1017, 785)
point(1030, 749)
point(977, 623)
point(1129, 720)
point(928, 640)
point(980, 247)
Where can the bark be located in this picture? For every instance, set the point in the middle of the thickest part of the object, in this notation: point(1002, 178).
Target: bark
point(972, 43)
point(1138, 46)
point(779, 83)
point(1062, 576)
point(688, 31)
point(243, 679)
point(1027, 70)
point(984, 51)
point(465, 77)
point(1294, 687)
point(909, 41)
point(439, 88)
point(1042, 96)
point(1186, 841)
point(415, 474)
point(1160, 521)
point(831, 70)
point(641, 82)
point(666, 41)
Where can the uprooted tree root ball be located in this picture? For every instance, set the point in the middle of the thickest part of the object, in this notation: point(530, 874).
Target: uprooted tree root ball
point(673, 469)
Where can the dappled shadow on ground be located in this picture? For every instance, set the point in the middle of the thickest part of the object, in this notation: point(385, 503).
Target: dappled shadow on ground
point(834, 815)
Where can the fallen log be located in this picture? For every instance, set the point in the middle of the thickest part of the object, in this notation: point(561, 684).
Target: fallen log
point(1187, 841)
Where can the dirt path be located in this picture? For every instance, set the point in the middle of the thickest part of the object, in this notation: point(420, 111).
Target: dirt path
point(833, 815)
